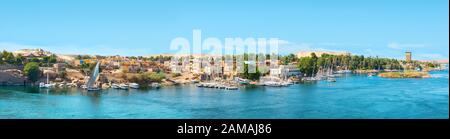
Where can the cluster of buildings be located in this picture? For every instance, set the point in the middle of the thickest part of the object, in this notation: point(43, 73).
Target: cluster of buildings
point(32, 52)
point(205, 67)
point(29, 54)
point(210, 67)
point(124, 64)
point(198, 67)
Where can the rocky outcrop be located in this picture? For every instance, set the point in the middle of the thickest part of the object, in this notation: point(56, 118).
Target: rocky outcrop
point(10, 79)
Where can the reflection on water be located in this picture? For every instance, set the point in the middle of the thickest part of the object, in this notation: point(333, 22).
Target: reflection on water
point(31, 89)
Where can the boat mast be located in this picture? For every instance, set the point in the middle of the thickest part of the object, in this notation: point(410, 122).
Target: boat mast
point(47, 72)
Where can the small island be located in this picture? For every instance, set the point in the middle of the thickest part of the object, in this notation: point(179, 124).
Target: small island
point(405, 74)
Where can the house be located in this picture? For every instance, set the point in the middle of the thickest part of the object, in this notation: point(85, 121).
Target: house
point(176, 68)
point(228, 68)
point(116, 64)
point(196, 66)
point(59, 67)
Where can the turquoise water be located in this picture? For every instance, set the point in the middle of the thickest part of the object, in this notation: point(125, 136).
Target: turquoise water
point(352, 96)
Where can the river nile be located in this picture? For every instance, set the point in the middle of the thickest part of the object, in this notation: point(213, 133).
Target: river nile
point(352, 96)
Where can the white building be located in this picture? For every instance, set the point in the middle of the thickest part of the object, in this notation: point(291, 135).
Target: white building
point(196, 66)
point(285, 71)
point(213, 70)
point(228, 68)
point(175, 67)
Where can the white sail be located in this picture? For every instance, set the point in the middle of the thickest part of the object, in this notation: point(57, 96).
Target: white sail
point(94, 76)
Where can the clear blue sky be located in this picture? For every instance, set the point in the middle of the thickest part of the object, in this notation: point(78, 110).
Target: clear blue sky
point(384, 28)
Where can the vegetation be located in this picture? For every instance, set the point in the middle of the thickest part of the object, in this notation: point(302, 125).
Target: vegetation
point(9, 58)
point(406, 74)
point(246, 74)
point(251, 76)
point(308, 65)
point(147, 77)
point(32, 71)
point(47, 60)
point(432, 65)
point(155, 76)
point(81, 57)
point(311, 65)
point(176, 74)
point(86, 68)
point(287, 59)
point(159, 58)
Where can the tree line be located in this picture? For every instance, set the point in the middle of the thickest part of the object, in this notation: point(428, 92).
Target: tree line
point(9, 58)
point(313, 64)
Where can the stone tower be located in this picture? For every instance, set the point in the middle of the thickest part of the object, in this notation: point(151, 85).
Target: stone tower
point(408, 56)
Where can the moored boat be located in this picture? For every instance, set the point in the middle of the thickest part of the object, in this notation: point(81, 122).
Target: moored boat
point(84, 86)
point(42, 85)
point(115, 86)
point(273, 84)
point(231, 88)
point(46, 85)
point(92, 88)
point(133, 85)
point(123, 86)
point(199, 85)
point(155, 85)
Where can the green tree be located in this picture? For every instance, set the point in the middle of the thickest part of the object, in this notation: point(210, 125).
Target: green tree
point(32, 71)
point(87, 67)
point(156, 77)
point(35, 60)
point(309, 65)
point(20, 59)
point(45, 59)
point(8, 57)
point(53, 58)
point(1, 58)
point(251, 76)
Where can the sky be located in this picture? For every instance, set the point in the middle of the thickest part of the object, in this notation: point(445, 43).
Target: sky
point(383, 28)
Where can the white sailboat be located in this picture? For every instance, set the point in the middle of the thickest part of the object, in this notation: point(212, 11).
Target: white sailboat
point(46, 85)
point(90, 85)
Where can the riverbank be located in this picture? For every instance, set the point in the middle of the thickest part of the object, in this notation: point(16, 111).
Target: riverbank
point(352, 96)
